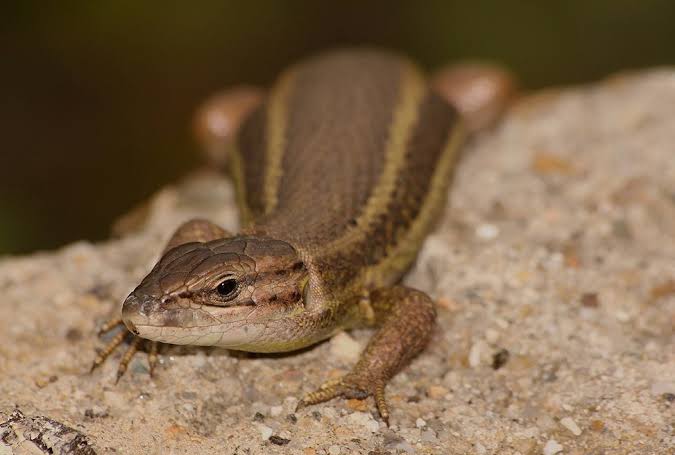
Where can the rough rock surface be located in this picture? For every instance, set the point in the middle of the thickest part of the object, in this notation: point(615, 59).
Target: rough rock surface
point(554, 270)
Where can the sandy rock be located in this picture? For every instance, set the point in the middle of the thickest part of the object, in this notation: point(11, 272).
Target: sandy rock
point(557, 247)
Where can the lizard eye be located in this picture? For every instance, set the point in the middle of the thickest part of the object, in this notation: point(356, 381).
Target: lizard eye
point(228, 288)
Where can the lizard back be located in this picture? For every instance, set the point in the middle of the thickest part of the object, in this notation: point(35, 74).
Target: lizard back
point(348, 159)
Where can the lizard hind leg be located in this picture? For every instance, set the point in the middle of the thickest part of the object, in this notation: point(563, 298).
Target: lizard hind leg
point(406, 318)
point(218, 119)
point(481, 92)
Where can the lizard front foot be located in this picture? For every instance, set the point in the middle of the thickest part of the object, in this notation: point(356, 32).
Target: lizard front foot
point(357, 384)
point(135, 344)
point(406, 318)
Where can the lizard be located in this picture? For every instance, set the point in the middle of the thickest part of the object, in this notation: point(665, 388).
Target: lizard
point(340, 172)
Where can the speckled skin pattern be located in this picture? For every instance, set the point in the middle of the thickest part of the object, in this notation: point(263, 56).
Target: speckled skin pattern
point(340, 174)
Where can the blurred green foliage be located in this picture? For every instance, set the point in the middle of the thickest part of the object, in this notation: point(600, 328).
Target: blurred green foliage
point(98, 95)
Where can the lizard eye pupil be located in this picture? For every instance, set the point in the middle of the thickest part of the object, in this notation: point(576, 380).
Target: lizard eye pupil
point(227, 287)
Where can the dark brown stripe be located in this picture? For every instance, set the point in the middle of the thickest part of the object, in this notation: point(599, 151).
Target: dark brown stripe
point(251, 143)
point(423, 153)
point(339, 119)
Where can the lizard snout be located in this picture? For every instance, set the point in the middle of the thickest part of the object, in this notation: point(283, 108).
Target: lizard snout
point(135, 308)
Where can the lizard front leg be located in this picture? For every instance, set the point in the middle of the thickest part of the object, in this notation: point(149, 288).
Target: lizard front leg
point(406, 318)
point(195, 230)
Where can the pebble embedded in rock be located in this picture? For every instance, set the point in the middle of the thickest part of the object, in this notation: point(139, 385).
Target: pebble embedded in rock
point(437, 392)
point(345, 348)
point(571, 425)
point(476, 353)
point(265, 431)
point(487, 231)
point(552, 447)
point(365, 420)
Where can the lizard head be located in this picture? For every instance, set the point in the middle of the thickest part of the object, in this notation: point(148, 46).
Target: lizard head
point(229, 292)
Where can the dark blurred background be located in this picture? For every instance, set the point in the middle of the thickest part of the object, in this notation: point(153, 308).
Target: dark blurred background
point(98, 96)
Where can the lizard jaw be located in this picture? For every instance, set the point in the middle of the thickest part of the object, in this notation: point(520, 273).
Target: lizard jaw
point(246, 328)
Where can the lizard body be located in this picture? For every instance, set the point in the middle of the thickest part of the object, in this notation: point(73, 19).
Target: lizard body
point(340, 173)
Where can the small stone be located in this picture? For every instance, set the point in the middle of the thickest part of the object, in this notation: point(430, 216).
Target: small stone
point(420, 423)
point(500, 358)
point(258, 417)
point(480, 449)
point(597, 425)
point(275, 411)
point(487, 231)
point(175, 431)
point(365, 420)
point(265, 431)
point(278, 440)
point(448, 304)
point(73, 334)
point(436, 392)
point(357, 405)
point(571, 425)
point(552, 447)
point(590, 300)
point(546, 163)
point(345, 348)
point(334, 450)
point(43, 381)
point(476, 353)
point(308, 451)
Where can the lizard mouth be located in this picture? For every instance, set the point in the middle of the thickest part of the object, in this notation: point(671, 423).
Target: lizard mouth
point(206, 325)
point(132, 328)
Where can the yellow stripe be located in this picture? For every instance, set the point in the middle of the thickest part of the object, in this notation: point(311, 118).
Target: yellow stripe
point(276, 139)
point(406, 249)
point(413, 88)
point(237, 172)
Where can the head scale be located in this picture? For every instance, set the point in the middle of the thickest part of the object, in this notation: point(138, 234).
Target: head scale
point(225, 292)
